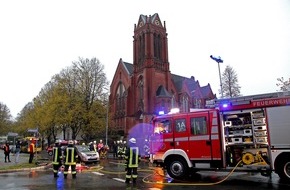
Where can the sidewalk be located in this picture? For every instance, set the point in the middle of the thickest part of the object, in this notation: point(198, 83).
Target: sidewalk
point(23, 159)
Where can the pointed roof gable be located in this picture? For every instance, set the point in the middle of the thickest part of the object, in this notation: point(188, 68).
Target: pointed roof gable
point(129, 67)
point(189, 83)
point(154, 19)
point(162, 92)
point(206, 91)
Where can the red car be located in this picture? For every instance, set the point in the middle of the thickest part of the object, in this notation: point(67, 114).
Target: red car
point(49, 149)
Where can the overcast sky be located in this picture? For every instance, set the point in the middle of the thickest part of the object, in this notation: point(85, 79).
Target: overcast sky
point(40, 38)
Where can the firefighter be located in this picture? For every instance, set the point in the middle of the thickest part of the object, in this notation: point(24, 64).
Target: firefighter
point(70, 156)
point(124, 149)
point(119, 149)
point(132, 158)
point(31, 151)
point(56, 158)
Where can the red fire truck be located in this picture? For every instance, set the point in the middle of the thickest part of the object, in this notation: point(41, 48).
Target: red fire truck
point(248, 134)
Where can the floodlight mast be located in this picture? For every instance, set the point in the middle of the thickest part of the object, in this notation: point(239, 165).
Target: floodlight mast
point(219, 60)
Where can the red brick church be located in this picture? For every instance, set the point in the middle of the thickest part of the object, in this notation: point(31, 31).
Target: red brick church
point(142, 89)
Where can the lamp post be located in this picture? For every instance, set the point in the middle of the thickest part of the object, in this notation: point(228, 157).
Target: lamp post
point(107, 120)
point(219, 60)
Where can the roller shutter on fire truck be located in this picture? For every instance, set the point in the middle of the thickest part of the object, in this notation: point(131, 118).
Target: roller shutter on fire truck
point(278, 120)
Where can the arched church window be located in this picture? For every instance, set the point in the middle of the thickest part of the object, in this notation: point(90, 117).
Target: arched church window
point(185, 103)
point(141, 88)
point(173, 101)
point(157, 46)
point(120, 98)
point(142, 47)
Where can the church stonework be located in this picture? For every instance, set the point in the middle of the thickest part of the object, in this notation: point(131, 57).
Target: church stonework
point(139, 91)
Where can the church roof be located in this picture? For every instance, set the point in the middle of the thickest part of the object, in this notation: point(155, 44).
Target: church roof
point(162, 92)
point(149, 19)
point(129, 67)
point(206, 90)
point(178, 81)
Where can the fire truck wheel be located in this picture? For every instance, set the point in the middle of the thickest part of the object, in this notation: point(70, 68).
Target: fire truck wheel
point(283, 169)
point(177, 168)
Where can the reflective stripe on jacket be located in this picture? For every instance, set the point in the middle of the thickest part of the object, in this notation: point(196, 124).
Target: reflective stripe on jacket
point(56, 155)
point(132, 157)
point(70, 156)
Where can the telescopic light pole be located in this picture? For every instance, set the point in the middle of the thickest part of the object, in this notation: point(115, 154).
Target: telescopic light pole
point(107, 121)
point(219, 60)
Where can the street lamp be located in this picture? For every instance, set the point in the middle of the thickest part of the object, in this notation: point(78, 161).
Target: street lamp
point(107, 123)
point(219, 60)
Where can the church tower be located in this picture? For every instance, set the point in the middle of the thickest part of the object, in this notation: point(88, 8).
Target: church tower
point(142, 89)
point(151, 78)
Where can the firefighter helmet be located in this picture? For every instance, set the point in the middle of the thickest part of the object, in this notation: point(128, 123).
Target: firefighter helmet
point(132, 140)
point(57, 141)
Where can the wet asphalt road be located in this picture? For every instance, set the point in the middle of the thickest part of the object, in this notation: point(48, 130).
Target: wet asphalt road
point(109, 174)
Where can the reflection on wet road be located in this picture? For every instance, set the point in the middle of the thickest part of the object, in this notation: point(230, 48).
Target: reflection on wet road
point(110, 174)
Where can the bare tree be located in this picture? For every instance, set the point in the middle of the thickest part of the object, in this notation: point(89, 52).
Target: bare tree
point(284, 85)
point(230, 84)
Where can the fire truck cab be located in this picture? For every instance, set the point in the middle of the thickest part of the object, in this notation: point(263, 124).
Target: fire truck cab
point(249, 133)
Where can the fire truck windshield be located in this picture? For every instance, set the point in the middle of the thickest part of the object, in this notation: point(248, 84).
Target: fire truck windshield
point(162, 126)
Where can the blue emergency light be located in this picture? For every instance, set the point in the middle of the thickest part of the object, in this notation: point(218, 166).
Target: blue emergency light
point(225, 104)
point(161, 113)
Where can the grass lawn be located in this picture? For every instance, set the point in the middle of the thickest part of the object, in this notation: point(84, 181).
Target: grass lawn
point(18, 166)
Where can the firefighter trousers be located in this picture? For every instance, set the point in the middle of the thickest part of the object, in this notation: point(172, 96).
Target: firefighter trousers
point(55, 169)
point(131, 173)
point(73, 170)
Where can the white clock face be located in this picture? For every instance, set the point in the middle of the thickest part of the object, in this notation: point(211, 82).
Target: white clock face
point(140, 24)
point(157, 22)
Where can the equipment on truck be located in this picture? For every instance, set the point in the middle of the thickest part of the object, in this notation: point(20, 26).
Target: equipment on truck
point(251, 132)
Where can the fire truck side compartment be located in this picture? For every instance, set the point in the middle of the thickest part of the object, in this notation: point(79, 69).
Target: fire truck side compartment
point(279, 126)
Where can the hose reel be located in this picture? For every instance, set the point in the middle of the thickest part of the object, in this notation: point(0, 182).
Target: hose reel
point(248, 158)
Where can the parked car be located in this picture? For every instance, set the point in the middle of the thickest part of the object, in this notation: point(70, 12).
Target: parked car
point(63, 145)
point(86, 155)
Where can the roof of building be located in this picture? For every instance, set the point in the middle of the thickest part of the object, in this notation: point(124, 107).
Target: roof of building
point(162, 92)
point(206, 91)
point(178, 81)
point(129, 67)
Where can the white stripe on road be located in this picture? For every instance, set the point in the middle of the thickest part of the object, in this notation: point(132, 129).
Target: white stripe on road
point(118, 179)
point(98, 173)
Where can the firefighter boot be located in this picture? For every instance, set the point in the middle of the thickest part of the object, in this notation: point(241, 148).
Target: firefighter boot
point(74, 176)
point(127, 180)
point(134, 181)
